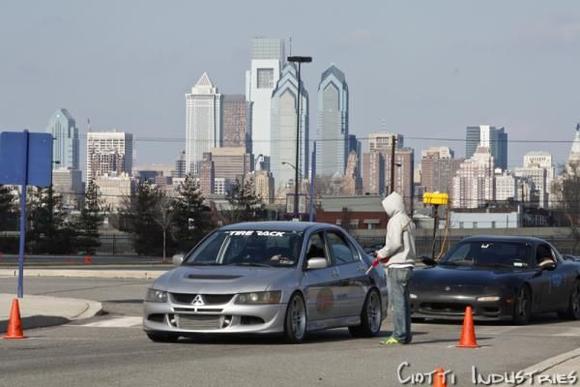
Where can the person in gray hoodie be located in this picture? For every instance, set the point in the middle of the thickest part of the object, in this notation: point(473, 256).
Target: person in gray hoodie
point(398, 256)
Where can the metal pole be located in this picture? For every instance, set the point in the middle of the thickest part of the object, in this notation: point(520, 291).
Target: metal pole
point(435, 227)
point(297, 165)
point(312, 175)
point(392, 180)
point(20, 290)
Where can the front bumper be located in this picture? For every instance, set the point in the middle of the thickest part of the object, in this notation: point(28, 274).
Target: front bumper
point(452, 307)
point(215, 319)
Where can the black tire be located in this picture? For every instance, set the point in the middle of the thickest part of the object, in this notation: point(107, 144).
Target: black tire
point(371, 317)
point(296, 320)
point(573, 310)
point(523, 306)
point(162, 337)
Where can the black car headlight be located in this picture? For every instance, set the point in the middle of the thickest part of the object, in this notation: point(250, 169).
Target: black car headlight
point(155, 295)
point(259, 298)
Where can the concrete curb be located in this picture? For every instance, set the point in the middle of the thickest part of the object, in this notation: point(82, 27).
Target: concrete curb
point(113, 274)
point(547, 365)
point(44, 311)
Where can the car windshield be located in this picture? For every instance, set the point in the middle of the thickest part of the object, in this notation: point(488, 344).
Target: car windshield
point(268, 248)
point(489, 253)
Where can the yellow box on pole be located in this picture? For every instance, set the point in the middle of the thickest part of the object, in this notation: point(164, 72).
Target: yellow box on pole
point(435, 198)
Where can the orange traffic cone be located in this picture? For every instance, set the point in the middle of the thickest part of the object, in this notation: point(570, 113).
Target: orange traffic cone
point(467, 339)
point(439, 378)
point(88, 260)
point(14, 331)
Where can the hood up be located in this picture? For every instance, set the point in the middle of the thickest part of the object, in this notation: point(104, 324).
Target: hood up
point(393, 204)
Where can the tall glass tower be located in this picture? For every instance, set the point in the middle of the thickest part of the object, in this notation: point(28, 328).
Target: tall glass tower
point(65, 145)
point(332, 144)
point(283, 126)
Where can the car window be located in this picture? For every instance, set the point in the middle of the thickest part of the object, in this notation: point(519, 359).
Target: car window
point(339, 248)
point(489, 253)
point(543, 253)
point(316, 247)
point(248, 247)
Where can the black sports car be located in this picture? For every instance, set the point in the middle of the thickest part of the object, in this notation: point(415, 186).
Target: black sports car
point(501, 278)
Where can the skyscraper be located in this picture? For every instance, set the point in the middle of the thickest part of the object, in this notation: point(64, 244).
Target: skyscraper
point(438, 167)
point(235, 122)
point(65, 145)
point(490, 137)
point(332, 148)
point(109, 153)
point(180, 166)
point(473, 185)
point(283, 126)
point(203, 121)
point(268, 57)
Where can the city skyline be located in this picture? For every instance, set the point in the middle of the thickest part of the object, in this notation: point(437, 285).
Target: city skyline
point(496, 78)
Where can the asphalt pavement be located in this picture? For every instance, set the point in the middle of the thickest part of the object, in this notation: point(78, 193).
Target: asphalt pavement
point(111, 349)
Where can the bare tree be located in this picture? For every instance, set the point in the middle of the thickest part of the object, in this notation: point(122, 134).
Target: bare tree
point(164, 218)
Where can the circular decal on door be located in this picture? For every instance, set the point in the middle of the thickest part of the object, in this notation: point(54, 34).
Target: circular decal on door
point(324, 300)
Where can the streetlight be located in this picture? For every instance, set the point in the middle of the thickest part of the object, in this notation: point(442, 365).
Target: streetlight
point(299, 60)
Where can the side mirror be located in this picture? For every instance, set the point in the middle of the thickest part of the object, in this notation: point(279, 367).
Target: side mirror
point(428, 261)
point(177, 259)
point(316, 263)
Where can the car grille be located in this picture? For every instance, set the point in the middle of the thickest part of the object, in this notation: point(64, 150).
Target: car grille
point(443, 307)
point(198, 322)
point(208, 299)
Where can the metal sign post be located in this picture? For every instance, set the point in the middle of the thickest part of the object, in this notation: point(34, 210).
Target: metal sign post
point(23, 218)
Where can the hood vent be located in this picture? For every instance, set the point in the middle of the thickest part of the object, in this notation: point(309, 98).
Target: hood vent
point(212, 277)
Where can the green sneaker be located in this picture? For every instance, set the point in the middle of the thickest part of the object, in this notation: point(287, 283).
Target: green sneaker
point(390, 341)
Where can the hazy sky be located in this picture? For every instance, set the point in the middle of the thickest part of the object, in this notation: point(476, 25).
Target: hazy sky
point(425, 68)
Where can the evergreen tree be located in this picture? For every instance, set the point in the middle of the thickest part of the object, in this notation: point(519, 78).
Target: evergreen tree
point(90, 219)
point(7, 208)
point(192, 218)
point(245, 205)
point(140, 212)
point(49, 232)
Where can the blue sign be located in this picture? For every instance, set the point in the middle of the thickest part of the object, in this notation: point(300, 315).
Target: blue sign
point(26, 158)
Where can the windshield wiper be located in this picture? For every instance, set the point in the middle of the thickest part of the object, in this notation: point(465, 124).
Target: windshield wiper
point(250, 264)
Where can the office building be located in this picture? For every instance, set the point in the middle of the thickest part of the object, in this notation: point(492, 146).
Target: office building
point(65, 143)
point(109, 153)
point(496, 140)
point(332, 145)
point(115, 190)
point(268, 57)
point(539, 169)
point(206, 175)
point(235, 122)
point(68, 183)
point(283, 125)
point(438, 167)
point(382, 142)
point(203, 122)
point(373, 173)
point(473, 184)
point(180, 166)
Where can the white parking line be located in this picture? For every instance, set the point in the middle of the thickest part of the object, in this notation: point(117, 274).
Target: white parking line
point(116, 322)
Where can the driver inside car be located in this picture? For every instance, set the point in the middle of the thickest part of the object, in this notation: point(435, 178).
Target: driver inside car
point(544, 257)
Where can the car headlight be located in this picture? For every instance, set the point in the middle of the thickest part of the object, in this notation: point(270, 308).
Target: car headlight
point(155, 295)
point(259, 298)
point(488, 299)
point(413, 296)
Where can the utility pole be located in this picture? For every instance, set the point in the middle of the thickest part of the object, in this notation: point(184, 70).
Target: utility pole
point(392, 179)
point(299, 60)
